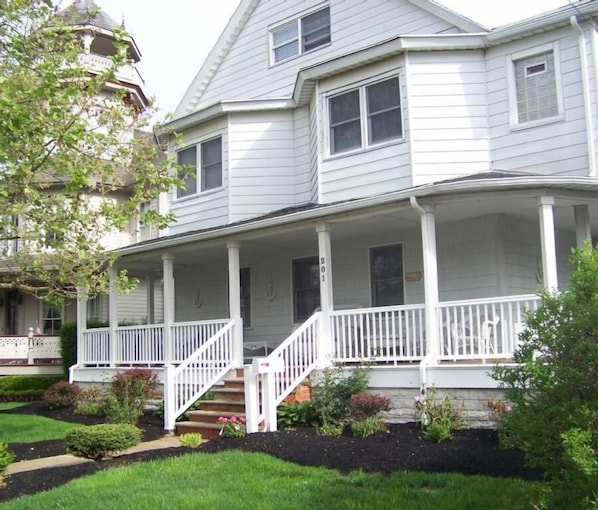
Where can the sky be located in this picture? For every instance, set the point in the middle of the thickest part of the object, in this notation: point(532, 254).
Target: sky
point(175, 36)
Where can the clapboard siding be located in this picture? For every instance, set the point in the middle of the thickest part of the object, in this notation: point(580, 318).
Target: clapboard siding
point(303, 183)
point(246, 72)
point(262, 163)
point(558, 147)
point(447, 115)
point(210, 208)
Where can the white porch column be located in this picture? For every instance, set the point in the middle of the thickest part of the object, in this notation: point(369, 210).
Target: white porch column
point(326, 292)
point(234, 300)
point(168, 270)
point(81, 325)
point(583, 231)
point(428, 228)
point(150, 281)
point(547, 234)
point(113, 316)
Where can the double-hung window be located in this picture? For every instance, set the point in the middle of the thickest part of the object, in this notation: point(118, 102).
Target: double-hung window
point(300, 35)
point(51, 319)
point(306, 287)
point(204, 159)
point(535, 88)
point(365, 116)
point(386, 275)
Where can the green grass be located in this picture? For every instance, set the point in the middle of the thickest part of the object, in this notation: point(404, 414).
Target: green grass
point(234, 479)
point(11, 405)
point(29, 428)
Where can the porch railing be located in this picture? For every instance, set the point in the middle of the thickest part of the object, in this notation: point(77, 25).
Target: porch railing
point(95, 347)
point(482, 329)
point(136, 345)
point(298, 356)
point(185, 383)
point(387, 334)
point(22, 349)
point(187, 337)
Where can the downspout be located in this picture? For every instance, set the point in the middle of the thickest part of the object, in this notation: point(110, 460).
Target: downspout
point(430, 289)
point(585, 80)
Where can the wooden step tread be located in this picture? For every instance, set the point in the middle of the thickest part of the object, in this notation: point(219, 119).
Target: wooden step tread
point(226, 414)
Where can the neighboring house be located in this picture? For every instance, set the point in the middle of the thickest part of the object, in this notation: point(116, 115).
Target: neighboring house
point(384, 181)
point(22, 313)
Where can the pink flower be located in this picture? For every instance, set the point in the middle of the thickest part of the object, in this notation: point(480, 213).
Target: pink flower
point(419, 399)
point(233, 419)
point(222, 419)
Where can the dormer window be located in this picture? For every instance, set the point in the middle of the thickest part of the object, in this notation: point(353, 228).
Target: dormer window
point(300, 35)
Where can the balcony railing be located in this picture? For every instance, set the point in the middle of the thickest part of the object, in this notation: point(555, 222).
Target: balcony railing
point(24, 350)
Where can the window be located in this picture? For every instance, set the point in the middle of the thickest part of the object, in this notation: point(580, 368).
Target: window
point(301, 35)
point(536, 93)
point(146, 230)
point(306, 288)
point(371, 113)
point(209, 165)
point(245, 277)
point(51, 319)
point(94, 309)
point(386, 269)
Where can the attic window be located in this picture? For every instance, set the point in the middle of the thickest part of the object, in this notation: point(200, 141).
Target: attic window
point(300, 35)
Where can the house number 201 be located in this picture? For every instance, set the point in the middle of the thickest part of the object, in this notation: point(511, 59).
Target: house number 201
point(323, 268)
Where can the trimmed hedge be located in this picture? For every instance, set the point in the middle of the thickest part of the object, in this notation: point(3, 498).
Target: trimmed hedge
point(97, 441)
point(68, 346)
point(26, 387)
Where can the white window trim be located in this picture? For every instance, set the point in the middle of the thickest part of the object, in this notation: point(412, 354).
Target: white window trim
point(198, 191)
point(512, 86)
point(42, 318)
point(289, 21)
point(361, 85)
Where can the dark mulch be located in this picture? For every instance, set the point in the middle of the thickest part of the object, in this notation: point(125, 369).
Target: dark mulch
point(472, 451)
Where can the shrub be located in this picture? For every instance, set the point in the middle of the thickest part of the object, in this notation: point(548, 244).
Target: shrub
point(191, 439)
point(97, 441)
point(367, 426)
point(333, 390)
point(438, 418)
point(369, 405)
point(61, 395)
point(134, 387)
point(26, 387)
point(331, 429)
point(6, 458)
point(553, 386)
point(90, 402)
point(68, 346)
point(297, 414)
point(120, 412)
point(233, 426)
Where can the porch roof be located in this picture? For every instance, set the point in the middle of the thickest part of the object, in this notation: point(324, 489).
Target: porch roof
point(486, 182)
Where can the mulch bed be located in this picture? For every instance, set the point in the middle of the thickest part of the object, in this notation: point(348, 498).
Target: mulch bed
point(472, 451)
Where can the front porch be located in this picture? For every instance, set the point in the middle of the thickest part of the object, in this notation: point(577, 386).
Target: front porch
point(192, 356)
point(30, 354)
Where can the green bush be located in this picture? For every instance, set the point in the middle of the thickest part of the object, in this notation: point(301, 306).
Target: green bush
point(332, 392)
point(6, 457)
point(26, 387)
point(367, 426)
point(438, 417)
point(553, 387)
point(297, 414)
point(68, 346)
point(90, 402)
point(134, 387)
point(191, 439)
point(97, 441)
point(61, 395)
point(117, 411)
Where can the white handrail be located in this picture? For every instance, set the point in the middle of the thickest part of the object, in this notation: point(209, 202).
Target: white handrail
point(185, 383)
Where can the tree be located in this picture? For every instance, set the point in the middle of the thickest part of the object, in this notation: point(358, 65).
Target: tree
point(554, 387)
point(73, 169)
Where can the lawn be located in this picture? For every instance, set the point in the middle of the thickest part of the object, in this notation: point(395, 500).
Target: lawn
point(15, 428)
point(236, 479)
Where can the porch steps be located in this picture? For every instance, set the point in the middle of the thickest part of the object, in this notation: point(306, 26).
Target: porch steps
point(229, 400)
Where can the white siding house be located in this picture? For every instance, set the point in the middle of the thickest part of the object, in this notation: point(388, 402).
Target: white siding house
point(394, 184)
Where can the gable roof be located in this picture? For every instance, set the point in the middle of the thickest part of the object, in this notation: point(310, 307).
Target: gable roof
point(240, 17)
